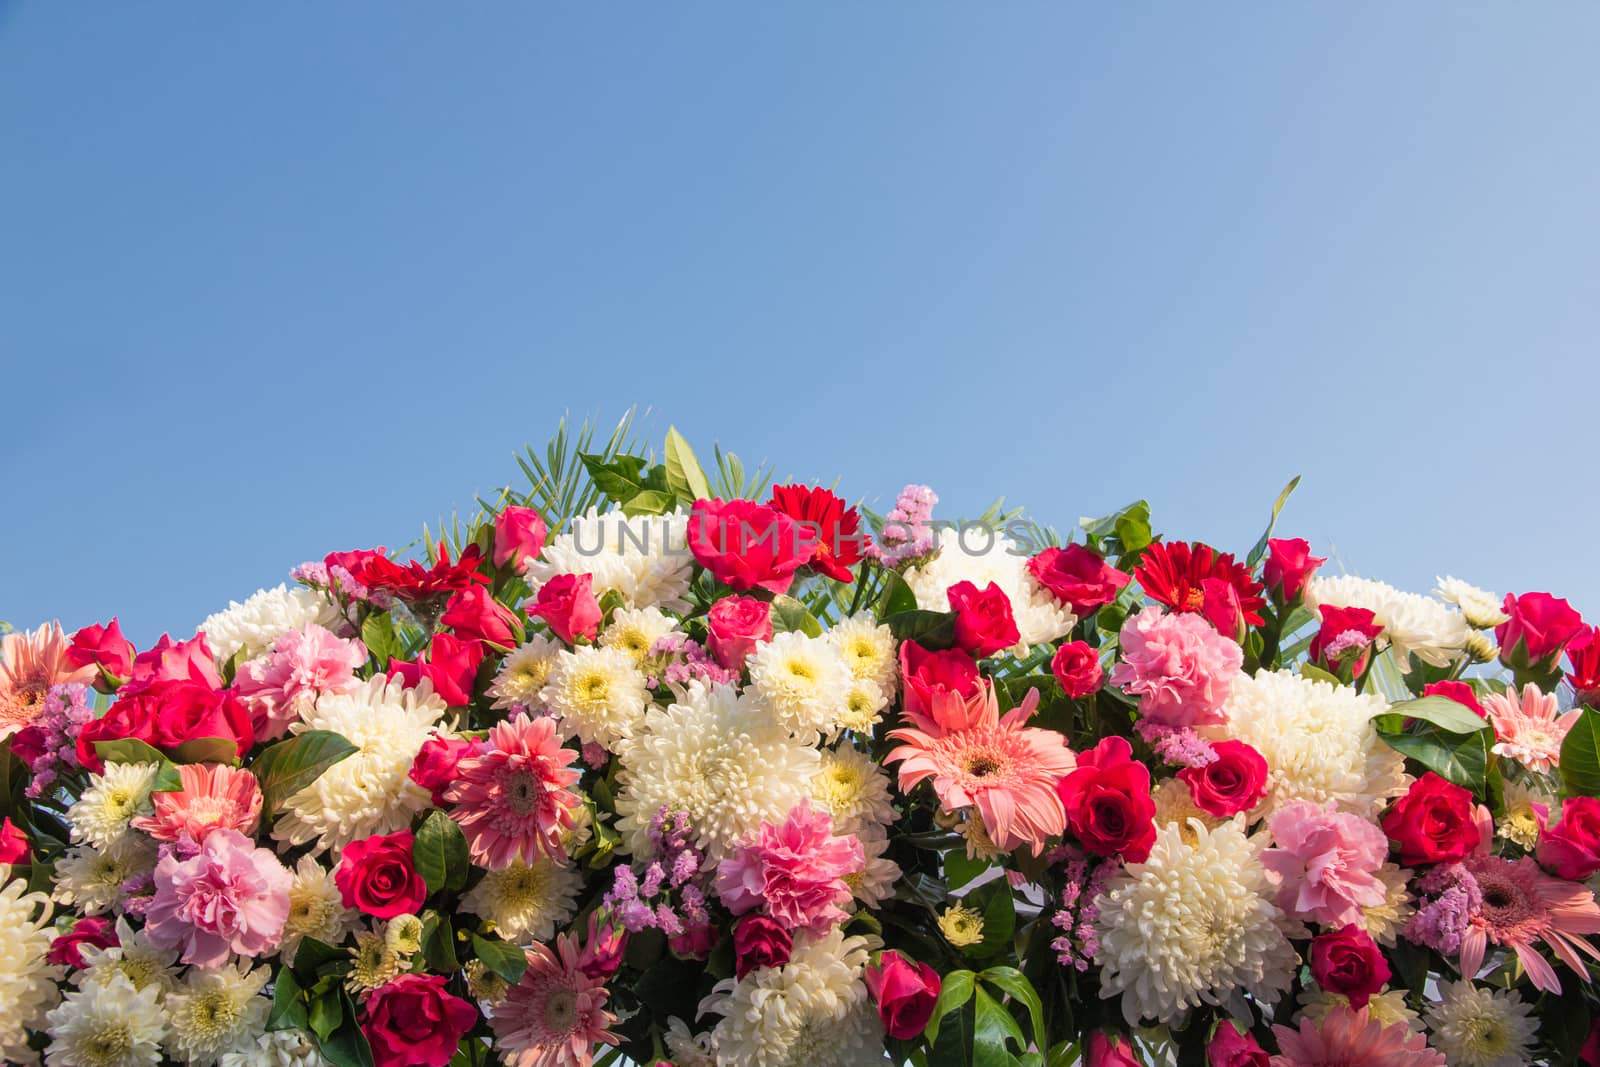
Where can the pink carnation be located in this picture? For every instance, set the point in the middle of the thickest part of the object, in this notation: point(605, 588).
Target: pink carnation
point(1325, 863)
point(795, 871)
point(229, 897)
point(1179, 666)
point(214, 796)
point(303, 664)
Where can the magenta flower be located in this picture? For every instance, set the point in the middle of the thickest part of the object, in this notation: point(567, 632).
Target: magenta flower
point(229, 897)
point(794, 871)
point(1178, 666)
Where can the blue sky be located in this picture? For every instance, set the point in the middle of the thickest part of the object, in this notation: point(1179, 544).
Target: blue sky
point(279, 279)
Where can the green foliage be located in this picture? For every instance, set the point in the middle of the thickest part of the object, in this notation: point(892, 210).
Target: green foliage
point(931, 629)
point(132, 750)
point(789, 615)
point(285, 768)
point(1260, 548)
point(504, 959)
point(1580, 756)
point(439, 851)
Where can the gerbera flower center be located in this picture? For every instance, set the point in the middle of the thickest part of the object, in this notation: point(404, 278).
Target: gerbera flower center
point(1193, 600)
point(522, 792)
point(561, 1010)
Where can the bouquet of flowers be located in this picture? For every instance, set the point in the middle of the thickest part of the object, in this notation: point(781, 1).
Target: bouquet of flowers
point(663, 765)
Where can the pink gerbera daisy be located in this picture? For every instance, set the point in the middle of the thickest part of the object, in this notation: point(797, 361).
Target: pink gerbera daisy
point(213, 796)
point(1344, 1038)
point(977, 758)
point(512, 800)
point(30, 663)
point(1529, 728)
point(556, 1014)
point(1523, 906)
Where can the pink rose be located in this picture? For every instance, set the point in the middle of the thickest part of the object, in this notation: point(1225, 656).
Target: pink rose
point(450, 664)
point(905, 993)
point(173, 661)
point(1077, 577)
point(519, 536)
point(1077, 667)
point(229, 897)
point(378, 877)
point(414, 1022)
point(1325, 863)
point(567, 604)
point(744, 544)
point(1179, 666)
point(475, 615)
point(1289, 566)
point(1540, 626)
point(434, 769)
point(1232, 782)
point(927, 674)
point(1348, 962)
point(984, 624)
point(1109, 1051)
point(759, 942)
point(185, 711)
point(1571, 848)
point(13, 843)
point(1230, 1047)
point(735, 625)
point(87, 932)
point(105, 648)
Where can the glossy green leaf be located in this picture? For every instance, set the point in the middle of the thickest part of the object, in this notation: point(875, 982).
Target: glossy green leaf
point(503, 958)
point(959, 869)
point(954, 992)
point(439, 851)
point(285, 768)
point(895, 596)
point(1580, 756)
point(932, 630)
point(132, 750)
point(684, 476)
point(207, 750)
point(993, 1029)
point(325, 1015)
point(1015, 985)
point(1442, 712)
point(1459, 758)
point(377, 633)
point(288, 1005)
point(1260, 548)
point(790, 616)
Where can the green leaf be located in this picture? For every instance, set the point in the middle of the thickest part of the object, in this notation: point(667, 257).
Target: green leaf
point(896, 596)
point(993, 1026)
point(789, 615)
point(959, 869)
point(504, 959)
point(377, 633)
point(1580, 756)
point(348, 1046)
point(933, 630)
point(1459, 758)
point(288, 1005)
point(956, 990)
point(1442, 712)
point(13, 779)
point(1314, 673)
point(312, 955)
point(620, 478)
point(440, 852)
point(285, 768)
point(132, 750)
point(439, 944)
point(684, 476)
point(1260, 548)
point(954, 1045)
point(1014, 984)
point(648, 502)
point(207, 750)
point(327, 1012)
point(995, 901)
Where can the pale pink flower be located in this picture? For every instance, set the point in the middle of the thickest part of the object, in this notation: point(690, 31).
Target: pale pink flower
point(556, 1014)
point(1178, 666)
point(1529, 729)
point(214, 796)
point(281, 686)
point(30, 663)
point(229, 897)
point(512, 800)
point(977, 758)
point(1325, 862)
point(1345, 1038)
point(1521, 906)
point(795, 870)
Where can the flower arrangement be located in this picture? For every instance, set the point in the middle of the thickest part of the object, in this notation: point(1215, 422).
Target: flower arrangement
point(653, 764)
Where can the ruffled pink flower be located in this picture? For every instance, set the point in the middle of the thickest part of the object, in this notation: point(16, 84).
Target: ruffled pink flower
point(1343, 1038)
point(795, 871)
point(556, 1014)
point(513, 800)
point(1178, 666)
point(1325, 862)
point(1521, 906)
point(1529, 728)
point(229, 897)
point(279, 687)
point(214, 796)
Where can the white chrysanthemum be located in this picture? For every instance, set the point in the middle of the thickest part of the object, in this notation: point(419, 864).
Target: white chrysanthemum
point(875, 882)
point(979, 556)
point(598, 694)
point(811, 1012)
point(802, 682)
point(720, 759)
point(1521, 824)
point(1318, 741)
point(276, 1048)
point(266, 616)
point(1388, 1007)
point(113, 798)
point(1481, 607)
point(687, 1049)
point(1415, 625)
point(643, 558)
point(1192, 925)
point(91, 878)
point(853, 788)
point(526, 901)
point(369, 791)
point(316, 909)
point(1384, 921)
point(1475, 1026)
point(107, 1025)
point(1175, 806)
point(869, 651)
point(863, 708)
point(216, 1010)
point(636, 630)
point(27, 980)
point(524, 672)
point(135, 958)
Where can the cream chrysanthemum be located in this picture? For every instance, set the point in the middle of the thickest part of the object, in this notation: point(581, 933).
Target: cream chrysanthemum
point(1475, 1026)
point(598, 694)
point(1388, 1007)
point(802, 682)
point(316, 909)
point(1383, 921)
point(1318, 741)
point(215, 1010)
point(276, 1048)
point(645, 559)
point(636, 630)
point(1521, 824)
point(91, 878)
point(1191, 925)
point(375, 963)
point(27, 980)
point(1415, 625)
point(853, 788)
point(687, 1049)
point(720, 759)
point(961, 925)
point(134, 957)
point(1175, 806)
point(266, 616)
point(869, 650)
point(108, 1024)
point(980, 557)
point(526, 901)
point(370, 791)
point(864, 705)
point(875, 882)
point(114, 797)
point(524, 673)
point(1480, 607)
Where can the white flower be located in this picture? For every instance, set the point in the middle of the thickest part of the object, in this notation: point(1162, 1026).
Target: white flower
point(1384, 921)
point(686, 1049)
point(875, 882)
point(27, 980)
point(526, 902)
point(1388, 1007)
point(1475, 1026)
point(980, 556)
point(869, 651)
point(1415, 625)
point(113, 798)
point(644, 558)
point(215, 1010)
point(1481, 607)
point(1318, 741)
point(864, 704)
point(135, 958)
point(718, 758)
point(853, 788)
point(276, 1048)
point(598, 694)
point(370, 791)
point(266, 616)
point(91, 878)
point(316, 909)
point(524, 672)
point(1521, 824)
point(109, 1024)
point(636, 630)
point(802, 682)
point(1192, 925)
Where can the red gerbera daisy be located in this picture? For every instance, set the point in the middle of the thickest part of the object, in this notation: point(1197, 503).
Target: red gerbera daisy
point(1177, 574)
point(823, 517)
point(414, 581)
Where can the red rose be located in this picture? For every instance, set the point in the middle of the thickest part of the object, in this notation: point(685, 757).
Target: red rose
point(413, 1022)
point(735, 625)
point(377, 875)
point(1348, 962)
point(475, 615)
point(1589, 1054)
point(126, 718)
point(1233, 782)
point(1077, 577)
point(905, 993)
point(105, 648)
point(1108, 803)
point(1539, 628)
point(744, 544)
point(695, 943)
point(1219, 603)
point(983, 618)
point(759, 941)
point(1342, 645)
point(173, 661)
point(567, 604)
point(450, 663)
point(1289, 566)
point(1583, 655)
point(1432, 823)
point(28, 745)
point(1077, 667)
point(1231, 1047)
point(1109, 1051)
point(435, 766)
point(1571, 848)
point(1460, 692)
point(832, 530)
point(927, 674)
point(519, 535)
point(67, 950)
point(186, 711)
point(13, 843)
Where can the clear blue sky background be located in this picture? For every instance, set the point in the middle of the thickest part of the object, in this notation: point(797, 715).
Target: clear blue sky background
point(282, 278)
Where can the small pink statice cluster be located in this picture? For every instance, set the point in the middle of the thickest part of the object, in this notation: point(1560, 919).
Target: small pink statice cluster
point(668, 895)
point(1452, 896)
point(907, 533)
point(1083, 880)
point(49, 744)
point(678, 659)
